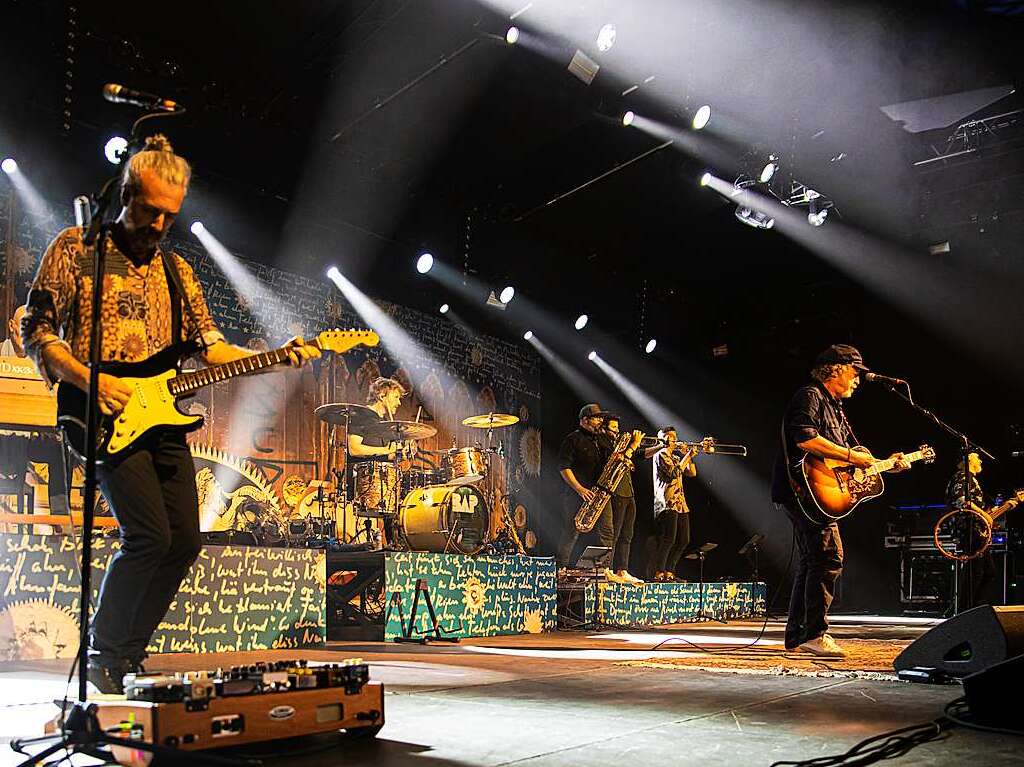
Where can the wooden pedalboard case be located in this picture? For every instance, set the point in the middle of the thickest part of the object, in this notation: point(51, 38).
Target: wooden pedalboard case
point(241, 719)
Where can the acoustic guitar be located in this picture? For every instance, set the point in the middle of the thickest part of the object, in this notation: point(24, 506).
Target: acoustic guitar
point(834, 488)
point(158, 385)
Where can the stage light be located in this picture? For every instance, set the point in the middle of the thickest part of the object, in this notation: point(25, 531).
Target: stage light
point(705, 179)
point(114, 148)
point(507, 294)
point(581, 321)
point(333, 273)
point(769, 169)
point(702, 117)
point(627, 119)
point(527, 335)
point(444, 309)
point(754, 218)
point(817, 219)
point(651, 345)
point(512, 36)
point(197, 228)
point(592, 356)
point(9, 166)
point(606, 38)
point(424, 263)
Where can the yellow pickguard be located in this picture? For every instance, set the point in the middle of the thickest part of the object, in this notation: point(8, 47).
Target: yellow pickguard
point(151, 406)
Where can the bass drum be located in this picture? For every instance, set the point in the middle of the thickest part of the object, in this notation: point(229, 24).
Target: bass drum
point(445, 519)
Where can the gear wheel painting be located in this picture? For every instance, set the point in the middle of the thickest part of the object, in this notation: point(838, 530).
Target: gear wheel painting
point(35, 629)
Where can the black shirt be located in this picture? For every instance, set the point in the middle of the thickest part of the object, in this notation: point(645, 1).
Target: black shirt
point(366, 424)
point(584, 453)
point(955, 491)
point(812, 412)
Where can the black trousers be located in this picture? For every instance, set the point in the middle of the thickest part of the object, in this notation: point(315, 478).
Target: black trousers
point(603, 530)
point(152, 492)
point(623, 520)
point(671, 539)
point(819, 564)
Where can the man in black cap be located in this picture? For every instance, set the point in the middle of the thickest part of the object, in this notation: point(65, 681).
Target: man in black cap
point(815, 423)
point(581, 459)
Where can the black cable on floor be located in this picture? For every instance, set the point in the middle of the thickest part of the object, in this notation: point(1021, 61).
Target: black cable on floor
point(888, 745)
point(958, 713)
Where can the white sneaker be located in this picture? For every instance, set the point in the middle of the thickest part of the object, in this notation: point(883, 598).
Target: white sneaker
point(825, 646)
point(613, 577)
point(628, 577)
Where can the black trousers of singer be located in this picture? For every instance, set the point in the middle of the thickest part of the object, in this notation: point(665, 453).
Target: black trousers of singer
point(603, 530)
point(819, 564)
point(671, 539)
point(623, 519)
point(152, 493)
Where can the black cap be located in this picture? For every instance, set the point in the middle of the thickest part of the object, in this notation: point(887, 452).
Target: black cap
point(593, 410)
point(841, 354)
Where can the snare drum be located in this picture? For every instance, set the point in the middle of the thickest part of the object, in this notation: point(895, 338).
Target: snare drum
point(376, 487)
point(445, 518)
point(465, 465)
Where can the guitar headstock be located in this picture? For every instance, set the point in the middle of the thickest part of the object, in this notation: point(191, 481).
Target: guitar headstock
point(927, 453)
point(340, 341)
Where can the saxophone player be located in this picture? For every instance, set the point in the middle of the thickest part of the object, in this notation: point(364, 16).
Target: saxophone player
point(581, 458)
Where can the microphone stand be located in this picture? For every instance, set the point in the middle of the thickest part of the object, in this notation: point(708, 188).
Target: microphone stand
point(967, 446)
point(80, 730)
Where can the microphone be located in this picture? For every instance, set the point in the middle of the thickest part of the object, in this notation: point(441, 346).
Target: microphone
point(875, 378)
point(119, 94)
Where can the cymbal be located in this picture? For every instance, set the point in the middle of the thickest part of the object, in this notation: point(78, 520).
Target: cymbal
point(339, 412)
point(490, 420)
point(409, 429)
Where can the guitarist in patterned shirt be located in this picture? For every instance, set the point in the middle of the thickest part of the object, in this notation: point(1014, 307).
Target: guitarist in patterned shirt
point(815, 423)
point(152, 489)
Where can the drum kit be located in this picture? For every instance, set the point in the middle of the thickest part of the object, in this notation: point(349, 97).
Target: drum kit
point(442, 501)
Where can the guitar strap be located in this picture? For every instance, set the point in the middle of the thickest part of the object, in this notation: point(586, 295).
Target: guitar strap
point(176, 289)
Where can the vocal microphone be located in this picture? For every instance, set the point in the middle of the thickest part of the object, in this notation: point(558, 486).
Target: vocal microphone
point(875, 378)
point(119, 94)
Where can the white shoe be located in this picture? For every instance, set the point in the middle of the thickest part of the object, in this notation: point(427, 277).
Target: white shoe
point(628, 577)
point(825, 646)
point(613, 577)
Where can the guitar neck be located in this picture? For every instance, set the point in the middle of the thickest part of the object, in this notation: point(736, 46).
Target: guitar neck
point(1004, 507)
point(186, 383)
point(889, 463)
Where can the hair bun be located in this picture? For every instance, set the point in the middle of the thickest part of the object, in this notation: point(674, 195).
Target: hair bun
point(158, 143)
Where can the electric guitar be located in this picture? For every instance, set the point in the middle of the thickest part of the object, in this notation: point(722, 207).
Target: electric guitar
point(157, 385)
point(835, 488)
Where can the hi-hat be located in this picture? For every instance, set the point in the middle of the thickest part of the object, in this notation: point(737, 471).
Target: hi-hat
point(339, 413)
point(409, 429)
point(702, 549)
point(490, 420)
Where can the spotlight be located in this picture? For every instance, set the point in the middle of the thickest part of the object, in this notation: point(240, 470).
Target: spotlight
point(444, 309)
point(627, 119)
point(606, 38)
point(507, 294)
point(114, 149)
point(512, 36)
point(817, 219)
point(581, 321)
point(754, 218)
point(702, 117)
point(333, 273)
point(424, 263)
point(197, 229)
point(9, 166)
point(651, 345)
point(769, 169)
point(592, 356)
point(705, 179)
point(527, 335)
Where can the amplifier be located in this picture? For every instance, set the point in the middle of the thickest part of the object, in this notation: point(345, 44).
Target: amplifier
point(234, 721)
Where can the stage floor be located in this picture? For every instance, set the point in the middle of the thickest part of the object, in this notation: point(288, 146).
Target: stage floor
point(595, 699)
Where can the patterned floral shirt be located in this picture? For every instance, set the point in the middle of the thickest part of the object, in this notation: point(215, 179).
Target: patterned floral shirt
point(136, 304)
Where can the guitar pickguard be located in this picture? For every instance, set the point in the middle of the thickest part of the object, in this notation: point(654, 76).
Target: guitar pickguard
point(856, 482)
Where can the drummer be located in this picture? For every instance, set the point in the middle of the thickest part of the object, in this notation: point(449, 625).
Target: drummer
point(368, 439)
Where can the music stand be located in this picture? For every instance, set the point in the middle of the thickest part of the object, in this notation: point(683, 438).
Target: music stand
point(699, 554)
point(594, 559)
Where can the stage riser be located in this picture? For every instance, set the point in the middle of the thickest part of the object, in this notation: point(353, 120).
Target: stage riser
point(234, 598)
point(472, 596)
point(654, 604)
